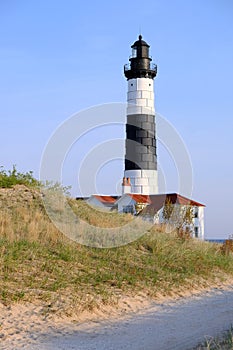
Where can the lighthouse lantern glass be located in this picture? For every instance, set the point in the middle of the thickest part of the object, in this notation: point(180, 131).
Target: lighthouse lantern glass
point(134, 52)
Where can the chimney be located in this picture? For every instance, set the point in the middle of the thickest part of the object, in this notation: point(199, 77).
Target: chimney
point(126, 185)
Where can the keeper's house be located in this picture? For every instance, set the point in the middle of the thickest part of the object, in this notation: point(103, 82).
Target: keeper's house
point(103, 202)
point(151, 207)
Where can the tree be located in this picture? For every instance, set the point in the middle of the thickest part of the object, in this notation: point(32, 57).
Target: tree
point(178, 217)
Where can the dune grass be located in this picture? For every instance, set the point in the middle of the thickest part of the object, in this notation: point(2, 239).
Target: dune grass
point(39, 264)
point(222, 342)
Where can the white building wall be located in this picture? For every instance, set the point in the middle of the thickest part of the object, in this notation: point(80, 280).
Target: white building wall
point(201, 218)
point(197, 222)
point(125, 201)
point(126, 189)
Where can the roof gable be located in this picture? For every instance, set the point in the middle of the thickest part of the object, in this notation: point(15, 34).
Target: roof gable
point(157, 201)
point(140, 198)
point(105, 199)
point(174, 198)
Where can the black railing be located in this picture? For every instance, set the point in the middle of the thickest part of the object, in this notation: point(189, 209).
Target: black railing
point(135, 56)
point(152, 66)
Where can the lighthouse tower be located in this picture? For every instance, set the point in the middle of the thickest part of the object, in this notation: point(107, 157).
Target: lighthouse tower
point(140, 175)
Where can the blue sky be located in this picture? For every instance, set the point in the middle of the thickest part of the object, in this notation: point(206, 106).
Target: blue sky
point(57, 58)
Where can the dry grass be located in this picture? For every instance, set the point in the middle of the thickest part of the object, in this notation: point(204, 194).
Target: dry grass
point(39, 264)
point(223, 342)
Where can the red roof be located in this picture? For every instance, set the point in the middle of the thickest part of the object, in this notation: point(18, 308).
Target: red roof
point(105, 199)
point(177, 198)
point(157, 201)
point(140, 198)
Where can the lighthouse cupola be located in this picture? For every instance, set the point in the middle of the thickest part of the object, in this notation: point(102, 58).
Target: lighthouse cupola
point(140, 65)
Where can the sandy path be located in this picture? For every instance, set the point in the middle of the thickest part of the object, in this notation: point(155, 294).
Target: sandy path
point(177, 325)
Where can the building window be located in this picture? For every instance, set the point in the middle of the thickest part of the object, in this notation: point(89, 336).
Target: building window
point(131, 84)
point(128, 209)
point(196, 212)
point(196, 232)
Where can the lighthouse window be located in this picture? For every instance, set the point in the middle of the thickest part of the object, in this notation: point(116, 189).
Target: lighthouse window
point(134, 52)
point(149, 84)
point(131, 84)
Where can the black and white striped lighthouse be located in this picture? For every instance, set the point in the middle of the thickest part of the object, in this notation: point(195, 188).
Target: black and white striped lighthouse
point(140, 175)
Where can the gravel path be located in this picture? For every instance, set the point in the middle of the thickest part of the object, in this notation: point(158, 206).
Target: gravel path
point(178, 325)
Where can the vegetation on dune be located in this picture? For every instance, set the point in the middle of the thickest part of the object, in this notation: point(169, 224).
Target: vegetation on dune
point(13, 177)
point(179, 217)
point(97, 217)
point(51, 267)
point(38, 263)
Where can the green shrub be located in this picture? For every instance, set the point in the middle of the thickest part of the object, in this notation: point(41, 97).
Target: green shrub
point(13, 177)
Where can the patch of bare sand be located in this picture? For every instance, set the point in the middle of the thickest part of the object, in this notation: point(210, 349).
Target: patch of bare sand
point(22, 325)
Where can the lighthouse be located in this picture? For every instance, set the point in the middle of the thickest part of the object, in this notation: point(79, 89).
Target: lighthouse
point(140, 175)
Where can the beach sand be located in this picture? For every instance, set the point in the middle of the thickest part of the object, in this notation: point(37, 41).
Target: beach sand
point(23, 325)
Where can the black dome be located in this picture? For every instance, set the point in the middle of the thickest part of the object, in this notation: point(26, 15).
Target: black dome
point(140, 65)
point(140, 42)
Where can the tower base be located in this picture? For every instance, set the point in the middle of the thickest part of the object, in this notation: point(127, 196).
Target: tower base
point(142, 181)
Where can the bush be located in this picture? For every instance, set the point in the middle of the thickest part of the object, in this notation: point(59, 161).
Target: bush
point(227, 247)
point(13, 177)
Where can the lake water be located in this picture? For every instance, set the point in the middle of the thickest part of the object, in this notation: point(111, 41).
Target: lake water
point(215, 240)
